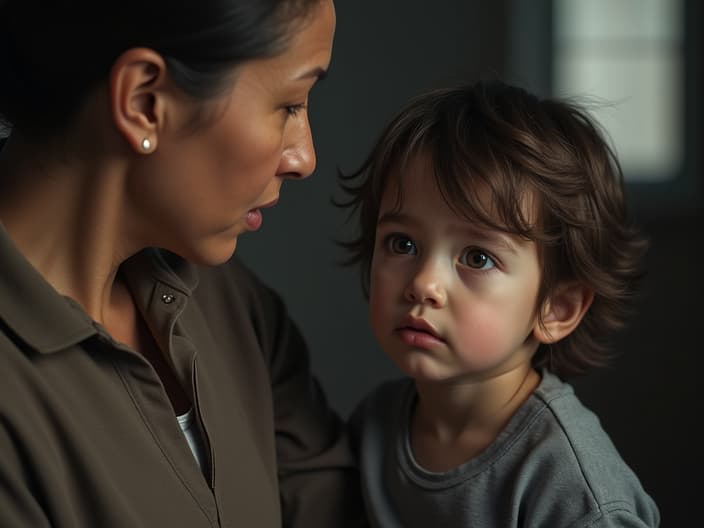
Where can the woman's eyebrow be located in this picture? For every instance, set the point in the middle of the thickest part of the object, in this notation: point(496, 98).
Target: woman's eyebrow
point(317, 73)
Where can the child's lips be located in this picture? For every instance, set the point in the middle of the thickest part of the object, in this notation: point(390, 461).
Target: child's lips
point(417, 332)
point(418, 324)
point(418, 338)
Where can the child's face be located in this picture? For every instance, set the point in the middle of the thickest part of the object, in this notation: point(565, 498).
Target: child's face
point(449, 300)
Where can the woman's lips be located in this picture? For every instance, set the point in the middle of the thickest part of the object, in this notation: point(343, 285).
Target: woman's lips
point(254, 218)
point(272, 203)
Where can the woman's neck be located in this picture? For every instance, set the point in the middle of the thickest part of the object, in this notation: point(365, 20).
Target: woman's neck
point(65, 217)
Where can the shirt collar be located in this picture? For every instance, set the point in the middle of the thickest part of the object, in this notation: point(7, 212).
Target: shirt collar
point(32, 308)
point(48, 321)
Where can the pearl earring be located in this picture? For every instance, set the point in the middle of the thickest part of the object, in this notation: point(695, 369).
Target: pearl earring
point(146, 145)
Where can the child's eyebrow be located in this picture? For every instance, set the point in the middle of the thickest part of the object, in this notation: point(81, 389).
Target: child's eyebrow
point(483, 235)
point(396, 217)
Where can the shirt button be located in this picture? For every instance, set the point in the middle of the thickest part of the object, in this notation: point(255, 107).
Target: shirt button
point(167, 298)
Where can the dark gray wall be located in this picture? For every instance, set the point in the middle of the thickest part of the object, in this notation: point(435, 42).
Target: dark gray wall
point(382, 56)
point(384, 53)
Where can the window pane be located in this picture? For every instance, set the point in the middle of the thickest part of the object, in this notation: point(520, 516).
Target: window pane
point(626, 57)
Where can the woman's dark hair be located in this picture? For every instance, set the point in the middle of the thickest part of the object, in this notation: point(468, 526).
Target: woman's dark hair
point(496, 137)
point(53, 53)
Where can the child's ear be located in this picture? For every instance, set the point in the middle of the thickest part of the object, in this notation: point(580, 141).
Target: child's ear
point(563, 311)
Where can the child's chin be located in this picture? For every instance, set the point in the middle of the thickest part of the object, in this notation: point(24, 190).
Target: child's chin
point(422, 370)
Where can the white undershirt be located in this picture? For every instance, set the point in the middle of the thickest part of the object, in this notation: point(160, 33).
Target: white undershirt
point(194, 439)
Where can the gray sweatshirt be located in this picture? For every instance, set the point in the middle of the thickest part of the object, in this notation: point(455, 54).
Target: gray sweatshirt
point(553, 466)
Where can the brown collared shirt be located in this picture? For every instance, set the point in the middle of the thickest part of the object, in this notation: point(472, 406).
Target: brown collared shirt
point(88, 437)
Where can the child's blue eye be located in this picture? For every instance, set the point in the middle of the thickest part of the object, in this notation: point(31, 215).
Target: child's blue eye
point(477, 259)
point(401, 244)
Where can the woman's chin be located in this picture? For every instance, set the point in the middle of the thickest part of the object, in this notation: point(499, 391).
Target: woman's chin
point(221, 254)
point(213, 254)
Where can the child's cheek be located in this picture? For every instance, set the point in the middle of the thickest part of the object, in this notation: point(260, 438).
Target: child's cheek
point(483, 338)
point(380, 297)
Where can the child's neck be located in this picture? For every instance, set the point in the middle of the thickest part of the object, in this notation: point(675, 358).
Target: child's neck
point(453, 423)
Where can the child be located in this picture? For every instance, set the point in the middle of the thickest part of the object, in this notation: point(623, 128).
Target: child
point(497, 257)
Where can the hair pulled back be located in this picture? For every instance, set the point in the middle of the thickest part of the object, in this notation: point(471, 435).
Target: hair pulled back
point(53, 53)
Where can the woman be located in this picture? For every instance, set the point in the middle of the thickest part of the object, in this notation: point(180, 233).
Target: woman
point(137, 390)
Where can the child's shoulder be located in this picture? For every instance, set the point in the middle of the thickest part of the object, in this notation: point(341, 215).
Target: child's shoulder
point(383, 410)
point(563, 441)
point(563, 418)
point(401, 387)
point(565, 425)
point(388, 397)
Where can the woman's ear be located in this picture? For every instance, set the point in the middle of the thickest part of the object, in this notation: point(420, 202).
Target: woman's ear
point(137, 81)
point(563, 311)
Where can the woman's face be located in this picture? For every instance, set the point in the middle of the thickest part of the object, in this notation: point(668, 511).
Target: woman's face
point(200, 190)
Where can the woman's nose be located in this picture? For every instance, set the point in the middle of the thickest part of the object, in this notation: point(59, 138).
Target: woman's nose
point(298, 156)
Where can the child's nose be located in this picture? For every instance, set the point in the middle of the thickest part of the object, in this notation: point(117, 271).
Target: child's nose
point(427, 287)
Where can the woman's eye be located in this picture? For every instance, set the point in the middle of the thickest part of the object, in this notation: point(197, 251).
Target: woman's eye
point(294, 109)
point(401, 244)
point(477, 259)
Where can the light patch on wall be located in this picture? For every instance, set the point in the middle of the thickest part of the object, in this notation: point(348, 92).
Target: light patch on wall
point(626, 56)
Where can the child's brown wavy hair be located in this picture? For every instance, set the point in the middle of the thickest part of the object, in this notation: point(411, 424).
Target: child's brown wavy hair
point(490, 135)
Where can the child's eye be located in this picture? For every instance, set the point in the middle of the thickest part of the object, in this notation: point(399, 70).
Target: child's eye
point(477, 259)
point(401, 244)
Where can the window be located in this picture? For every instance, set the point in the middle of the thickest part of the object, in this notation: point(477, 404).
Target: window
point(636, 63)
point(627, 54)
